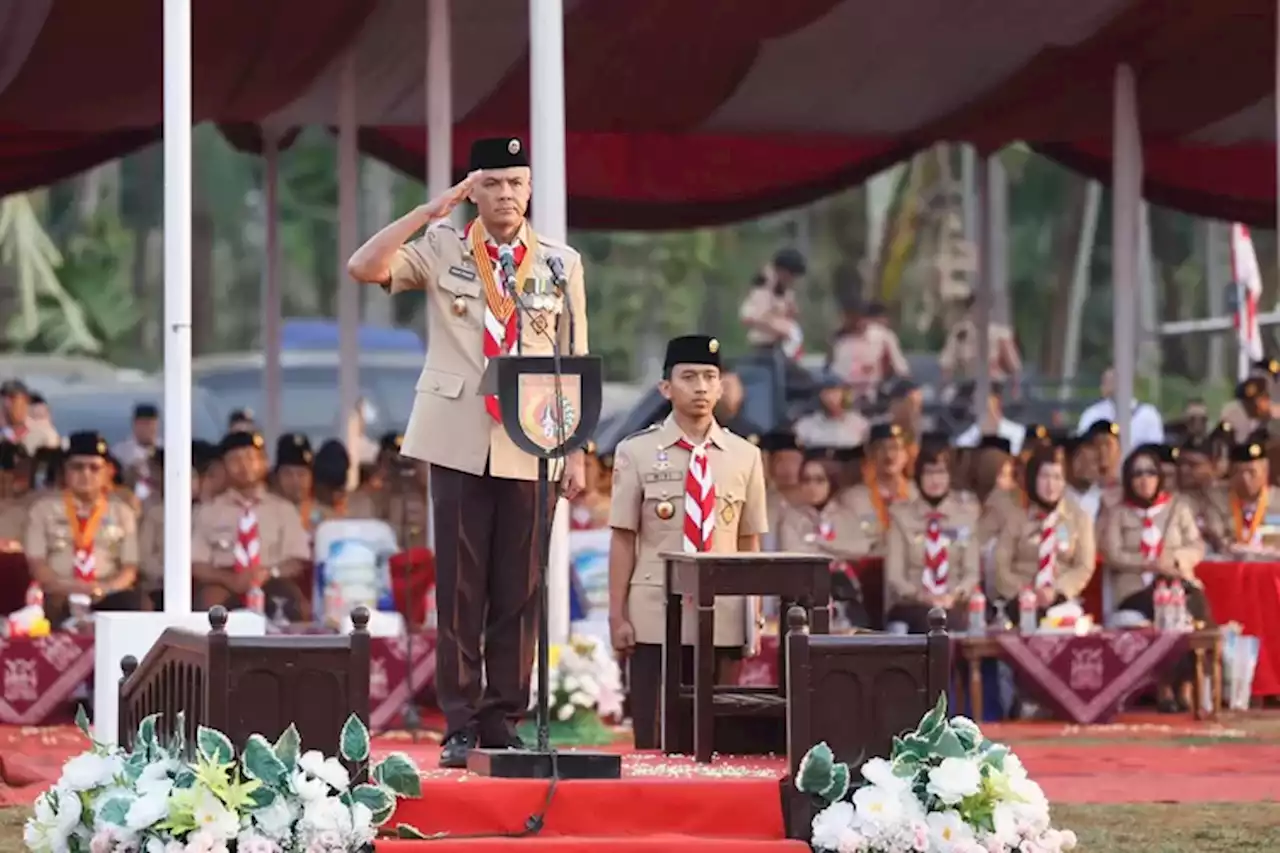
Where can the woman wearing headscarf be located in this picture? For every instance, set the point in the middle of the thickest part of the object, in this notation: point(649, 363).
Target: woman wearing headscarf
point(1152, 537)
point(933, 548)
point(1047, 544)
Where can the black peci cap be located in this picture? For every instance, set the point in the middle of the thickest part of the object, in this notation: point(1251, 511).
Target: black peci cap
point(87, 443)
point(691, 349)
point(502, 152)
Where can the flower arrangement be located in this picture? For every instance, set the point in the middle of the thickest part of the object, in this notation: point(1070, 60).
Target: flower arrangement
point(585, 688)
point(944, 789)
point(274, 798)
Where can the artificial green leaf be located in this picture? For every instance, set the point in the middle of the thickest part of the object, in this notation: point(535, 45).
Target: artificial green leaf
point(814, 775)
point(355, 740)
point(260, 762)
point(214, 746)
point(114, 811)
point(178, 739)
point(403, 830)
point(133, 767)
point(398, 774)
point(288, 747)
point(145, 740)
point(995, 756)
point(184, 779)
point(948, 745)
point(262, 797)
point(934, 718)
point(839, 783)
point(378, 800)
point(82, 720)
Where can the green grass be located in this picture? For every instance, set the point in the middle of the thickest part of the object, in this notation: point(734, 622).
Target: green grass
point(1217, 828)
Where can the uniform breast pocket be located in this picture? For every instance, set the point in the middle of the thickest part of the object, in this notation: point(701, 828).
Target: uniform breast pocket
point(463, 296)
point(222, 542)
point(663, 505)
point(59, 538)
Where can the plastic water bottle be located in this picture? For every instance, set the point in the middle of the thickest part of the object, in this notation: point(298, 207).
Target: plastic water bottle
point(35, 595)
point(1160, 606)
point(1027, 621)
point(1178, 607)
point(333, 603)
point(977, 613)
point(429, 620)
point(255, 600)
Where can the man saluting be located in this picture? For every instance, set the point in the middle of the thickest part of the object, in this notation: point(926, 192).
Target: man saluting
point(482, 484)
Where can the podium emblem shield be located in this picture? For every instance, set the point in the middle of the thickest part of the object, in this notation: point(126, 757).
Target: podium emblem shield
point(550, 408)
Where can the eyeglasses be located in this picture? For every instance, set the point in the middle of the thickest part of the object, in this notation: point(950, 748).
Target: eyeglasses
point(1145, 472)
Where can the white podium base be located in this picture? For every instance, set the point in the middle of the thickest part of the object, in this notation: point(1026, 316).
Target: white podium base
point(117, 635)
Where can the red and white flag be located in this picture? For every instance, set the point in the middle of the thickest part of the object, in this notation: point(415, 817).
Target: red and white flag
point(1248, 280)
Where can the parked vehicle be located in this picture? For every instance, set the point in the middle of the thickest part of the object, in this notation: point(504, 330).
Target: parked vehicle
point(108, 408)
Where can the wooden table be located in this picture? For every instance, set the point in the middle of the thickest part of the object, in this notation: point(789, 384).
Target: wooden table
point(800, 579)
point(974, 649)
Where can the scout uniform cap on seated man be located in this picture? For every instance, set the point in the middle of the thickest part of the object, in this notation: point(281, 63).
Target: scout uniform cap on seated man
point(247, 537)
point(82, 547)
point(885, 482)
point(483, 488)
point(293, 477)
point(683, 485)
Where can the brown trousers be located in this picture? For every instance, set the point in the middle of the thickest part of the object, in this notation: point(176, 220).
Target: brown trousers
point(486, 599)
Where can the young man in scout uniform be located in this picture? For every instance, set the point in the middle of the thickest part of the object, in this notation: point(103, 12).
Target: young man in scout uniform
point(884, 483)
point(959, 356)
point(1244, 517)
point(247, 537)
point(82, 547)
point(292, 478)
point(483, 489)
point(686, 484)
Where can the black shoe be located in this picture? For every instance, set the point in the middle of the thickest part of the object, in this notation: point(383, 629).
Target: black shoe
point(456, 748)
point(504, 738)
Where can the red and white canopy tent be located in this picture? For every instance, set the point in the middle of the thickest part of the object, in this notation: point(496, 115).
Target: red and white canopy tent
point(679, 114)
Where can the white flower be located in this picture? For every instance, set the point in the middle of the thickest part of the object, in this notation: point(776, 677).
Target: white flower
point(309, 789)
point(877, 806)
point(1005, 820)
point(112, 839)
point(251, 842)
point(954, 779)
point(57, 813)
point(880, 773)
point(155, 778)
point(565, 713)
point(570, 683)
point(213, 819)
point(581, 699)
point(330, 770)
point(327, 814)
point(202, 841)
point(850, 841)
point(155, 845)
point(362, 829)
point(147, 810)
point(88, 771)
point(947, 831)
point(966, 726)
point(1029, 804)
point(276, 820)
point(829, 823)
point(1069, 840)
point(1013, 767)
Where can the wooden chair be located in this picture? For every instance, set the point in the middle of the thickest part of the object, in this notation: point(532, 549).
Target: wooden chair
point(856, 693)
point(250, 685)
point(692, 705)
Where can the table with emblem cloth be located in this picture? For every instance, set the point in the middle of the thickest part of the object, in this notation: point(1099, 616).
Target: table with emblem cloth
point(1086, 679)
point(39, 677)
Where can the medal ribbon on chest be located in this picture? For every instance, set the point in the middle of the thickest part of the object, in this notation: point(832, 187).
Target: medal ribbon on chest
point(248, 549)
point(84, 534)
point(937, 568)
point(699, 499)
point(1047, 570)
point(1246, 520)
point(499, 307)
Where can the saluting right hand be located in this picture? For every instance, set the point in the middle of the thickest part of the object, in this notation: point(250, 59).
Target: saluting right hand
point(443, 204)
point(623, 635)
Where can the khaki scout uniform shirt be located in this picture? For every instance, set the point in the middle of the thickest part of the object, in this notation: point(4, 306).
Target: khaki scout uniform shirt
point(449, 425)
point(49, 538)
point(151, 541)
point(800, 530)
point(865, 359)
point(1017, 555)
point(767, 315)
point(648, 477)
point(13, 524)
point(407, 514)
point(819, 430)
point(37, 434)
point(904, 559)
point(1120, 541)
point(1220, 525)
point(871, 527)
point(216, 527)
point(959, 355)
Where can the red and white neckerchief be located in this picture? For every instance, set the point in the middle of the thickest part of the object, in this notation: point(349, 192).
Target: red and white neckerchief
point(937, 568)
point(499, 309)
point(1152, 540)
point(248, 550)
point(699, 499)
point(826, 532)
point(1047, 568)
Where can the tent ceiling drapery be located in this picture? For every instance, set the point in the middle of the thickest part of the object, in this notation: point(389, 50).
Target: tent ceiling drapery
point(680, 113)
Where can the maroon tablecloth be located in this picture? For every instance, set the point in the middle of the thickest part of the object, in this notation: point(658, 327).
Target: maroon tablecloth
point(1087, 679)
point(40, 676)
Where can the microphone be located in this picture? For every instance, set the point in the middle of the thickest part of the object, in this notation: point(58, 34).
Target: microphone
point(556, 265)
point(507, 262)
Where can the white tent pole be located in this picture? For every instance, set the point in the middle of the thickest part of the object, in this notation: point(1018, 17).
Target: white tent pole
point(985, 226)
point(1215, 276)
point(272, 299)
point(348, 297)
point(1126, 196)
point(177, 306)
point(550, 209)
point(439, 87)
point(1080, 288)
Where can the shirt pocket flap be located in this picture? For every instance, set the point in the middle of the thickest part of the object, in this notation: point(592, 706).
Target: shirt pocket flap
point(458, 285)
point(663, 490)
point(448, 385)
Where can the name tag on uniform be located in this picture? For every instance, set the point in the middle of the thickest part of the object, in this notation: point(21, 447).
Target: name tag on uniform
point(463, 273)
point(956, 534)
point(664, 477)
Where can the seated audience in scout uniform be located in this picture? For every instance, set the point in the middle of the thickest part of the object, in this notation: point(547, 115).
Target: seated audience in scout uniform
point(1244, 516)
point(884, 482)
